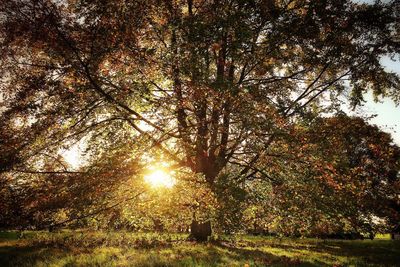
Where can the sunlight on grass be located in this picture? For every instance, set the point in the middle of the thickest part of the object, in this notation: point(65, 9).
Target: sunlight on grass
point(383, 236)
point(96, 248)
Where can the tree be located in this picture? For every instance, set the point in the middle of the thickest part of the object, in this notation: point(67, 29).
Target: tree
point(208, 85)
point(366, 162)
point(342, 175)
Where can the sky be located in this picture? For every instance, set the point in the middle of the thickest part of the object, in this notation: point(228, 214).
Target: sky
point(387, 113)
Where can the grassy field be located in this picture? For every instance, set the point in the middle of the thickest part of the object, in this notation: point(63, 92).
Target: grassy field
point(87, 248)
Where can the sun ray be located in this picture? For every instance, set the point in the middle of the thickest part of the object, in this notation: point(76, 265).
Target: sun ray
point(160, 178)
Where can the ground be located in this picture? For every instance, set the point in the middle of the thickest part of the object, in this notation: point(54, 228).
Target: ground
point(90, 248)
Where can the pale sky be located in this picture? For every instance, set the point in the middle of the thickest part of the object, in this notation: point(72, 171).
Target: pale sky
point(386, 111)
point(388, 114)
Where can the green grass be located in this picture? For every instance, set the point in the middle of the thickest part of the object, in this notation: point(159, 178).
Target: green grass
point(90, 248)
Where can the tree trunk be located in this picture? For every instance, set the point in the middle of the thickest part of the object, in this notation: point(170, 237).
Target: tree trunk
point(200, 231)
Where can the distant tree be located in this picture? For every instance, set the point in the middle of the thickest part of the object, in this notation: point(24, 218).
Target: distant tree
point(347, 179)
point(366, 163)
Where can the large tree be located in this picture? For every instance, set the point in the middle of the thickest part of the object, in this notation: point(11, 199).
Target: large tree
point(207, 85)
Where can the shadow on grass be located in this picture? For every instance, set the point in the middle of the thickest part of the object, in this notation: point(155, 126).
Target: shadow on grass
point(376, 252)
point(20, 255)
point(65, 252)
point(187, 254)
point(262, 258)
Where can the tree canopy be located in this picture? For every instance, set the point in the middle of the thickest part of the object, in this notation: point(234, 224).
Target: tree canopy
point(233, 95)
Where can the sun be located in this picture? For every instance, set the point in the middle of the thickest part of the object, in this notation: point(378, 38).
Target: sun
point(160, 178)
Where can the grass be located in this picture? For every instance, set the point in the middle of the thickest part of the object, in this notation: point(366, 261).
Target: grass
point(94, 248)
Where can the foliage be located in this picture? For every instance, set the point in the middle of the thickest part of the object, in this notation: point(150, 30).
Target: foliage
point(341, 176)
point(229, 91)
